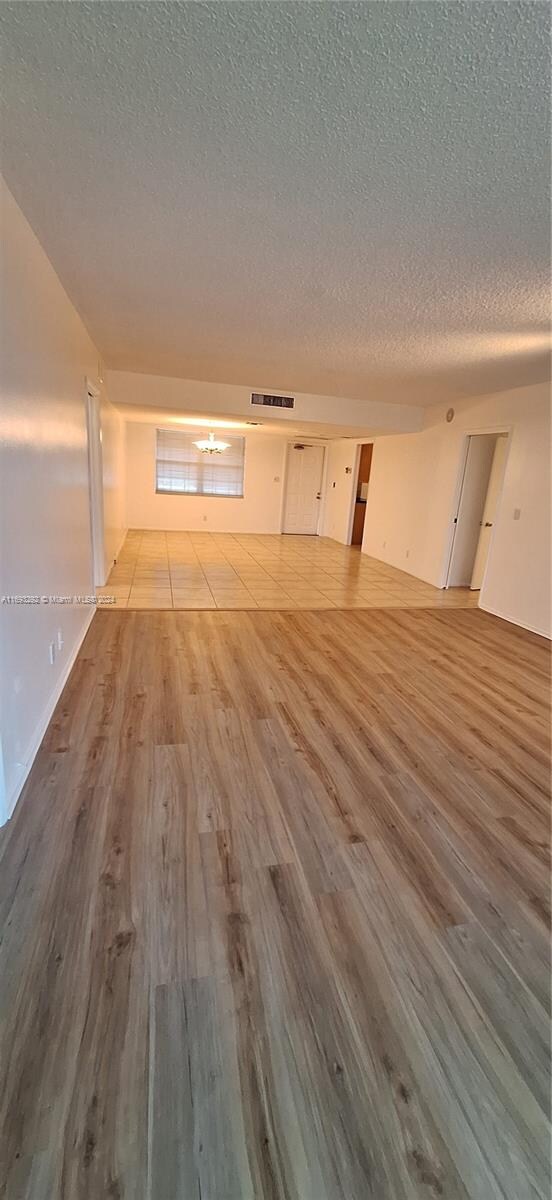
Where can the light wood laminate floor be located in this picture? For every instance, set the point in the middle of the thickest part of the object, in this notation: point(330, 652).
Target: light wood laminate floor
point(160, 569)
point(274, 912)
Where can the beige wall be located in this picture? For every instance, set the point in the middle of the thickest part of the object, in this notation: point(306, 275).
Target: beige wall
point(414, 483)
point(258, 512)
point(340, 488)
point(114, 479)
point(46, 355)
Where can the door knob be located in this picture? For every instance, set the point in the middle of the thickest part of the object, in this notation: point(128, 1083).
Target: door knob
point(488, 524)
point(318, 495)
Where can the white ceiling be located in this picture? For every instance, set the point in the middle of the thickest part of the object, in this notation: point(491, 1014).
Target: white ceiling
point(340, 198)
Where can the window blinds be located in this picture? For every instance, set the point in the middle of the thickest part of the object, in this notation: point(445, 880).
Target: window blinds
point(182, 469)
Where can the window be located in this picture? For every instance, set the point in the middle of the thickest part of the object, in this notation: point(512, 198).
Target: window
point(181, 469)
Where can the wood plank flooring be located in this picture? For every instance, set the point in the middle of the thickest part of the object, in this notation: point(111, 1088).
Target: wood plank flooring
point(274, 912)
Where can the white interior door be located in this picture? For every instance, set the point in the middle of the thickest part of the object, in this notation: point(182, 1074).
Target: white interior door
point(489, 511)
point(477, 470)
point(303, 488)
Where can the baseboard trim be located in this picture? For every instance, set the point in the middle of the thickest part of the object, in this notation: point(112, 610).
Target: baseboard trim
point(34, 745)
point(108, 564)
point(121, 544)
point(389, 562)
point(274, 531)
point(494, 612)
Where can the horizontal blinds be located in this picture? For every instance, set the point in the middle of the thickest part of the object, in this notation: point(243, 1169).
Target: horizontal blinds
point(183, 469)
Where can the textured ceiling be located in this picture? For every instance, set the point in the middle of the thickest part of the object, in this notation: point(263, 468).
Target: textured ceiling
point(341, 198)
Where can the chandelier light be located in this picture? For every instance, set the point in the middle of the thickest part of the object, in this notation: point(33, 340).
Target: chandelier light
point(211, 445)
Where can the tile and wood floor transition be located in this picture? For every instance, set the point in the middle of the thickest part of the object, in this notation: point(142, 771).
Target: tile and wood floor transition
point(274, 904)
point(209, 570)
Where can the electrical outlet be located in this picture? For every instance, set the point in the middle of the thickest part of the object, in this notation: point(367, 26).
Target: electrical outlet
point(204, 517)
point(517, 514)
point(60, 639)
point(408, 553)
point(52, 653)
point(383, 545)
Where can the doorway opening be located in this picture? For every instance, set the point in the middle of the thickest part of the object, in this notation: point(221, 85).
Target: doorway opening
point(479, 494)
point(305, 466)
point(361, 492)
point(95, 483)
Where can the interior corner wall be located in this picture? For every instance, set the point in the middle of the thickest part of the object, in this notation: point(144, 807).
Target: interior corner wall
point(259, 511)
point(404, 524)
point(45, 550)
point(411, 501)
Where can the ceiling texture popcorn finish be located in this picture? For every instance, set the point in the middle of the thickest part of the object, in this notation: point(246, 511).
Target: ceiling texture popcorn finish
point(340, 198)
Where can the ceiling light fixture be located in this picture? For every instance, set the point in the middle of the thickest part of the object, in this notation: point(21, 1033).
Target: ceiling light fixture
point(211, 445)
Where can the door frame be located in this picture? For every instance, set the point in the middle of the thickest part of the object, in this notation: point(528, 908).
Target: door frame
point(306, 442)
point(501, 474)
point(95, 481)
point(457, 494)
point(352, 501)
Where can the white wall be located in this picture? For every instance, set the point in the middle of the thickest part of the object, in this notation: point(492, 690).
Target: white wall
point(46, 354)
point(259, 511)
point(340, 487)
point(413, 486)
point(114, 480)
point(517, 581)
point(404, 514)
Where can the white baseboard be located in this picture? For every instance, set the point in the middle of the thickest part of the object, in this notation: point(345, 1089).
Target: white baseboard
point(108, 562)
point(40, 729)
point(121, 543)
point(406, 570)
point(513, 621)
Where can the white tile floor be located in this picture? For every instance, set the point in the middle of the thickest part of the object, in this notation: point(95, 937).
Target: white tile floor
point(221, 570)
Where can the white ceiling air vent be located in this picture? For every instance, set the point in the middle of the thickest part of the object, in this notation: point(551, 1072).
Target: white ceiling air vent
point(272, 401)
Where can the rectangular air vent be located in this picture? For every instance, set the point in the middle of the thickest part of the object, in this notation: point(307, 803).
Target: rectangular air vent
point(272, 401)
